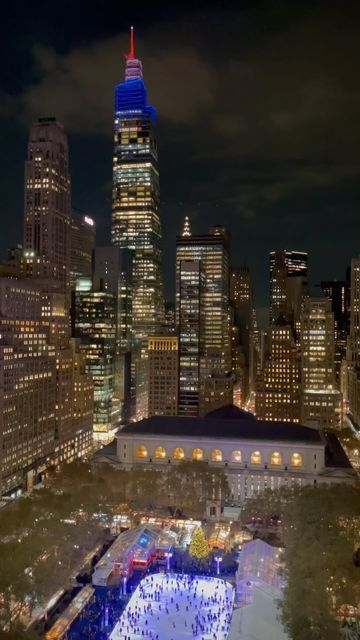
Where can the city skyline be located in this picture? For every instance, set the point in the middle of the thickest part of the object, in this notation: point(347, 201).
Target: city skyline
point(284, 182)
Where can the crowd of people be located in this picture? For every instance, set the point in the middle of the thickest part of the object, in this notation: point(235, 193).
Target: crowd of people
point(169, 606)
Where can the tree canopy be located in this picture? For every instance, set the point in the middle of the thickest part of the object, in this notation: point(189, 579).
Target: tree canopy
point(321, 532)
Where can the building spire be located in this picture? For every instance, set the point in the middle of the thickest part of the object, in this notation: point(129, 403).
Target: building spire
point(186, 229)
point(131, 54)
point(133, 69)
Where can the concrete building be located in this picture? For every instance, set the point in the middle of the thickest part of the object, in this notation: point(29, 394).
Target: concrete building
point(163, 375)
point(321, 401)
point(277, 395)
point(255, 455)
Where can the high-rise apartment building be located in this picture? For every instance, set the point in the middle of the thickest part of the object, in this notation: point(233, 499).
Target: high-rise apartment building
point(211, 251)
point(163, 375)
point(321, 401)
point(82, 245)
point(95, 326)
point(135, 217)
point(48, 204)
point(277, 395)
point(288, 284)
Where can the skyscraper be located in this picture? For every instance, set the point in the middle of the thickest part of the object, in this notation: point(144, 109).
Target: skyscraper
point(135, 217)
point(321, 401)
point(113, 268)
point(339, 293)
point(82, 245)
point(95, 326)
point(163, 375)
point(241, 302)
point(350, 379)
point(211, 251)
point(48, 204)
point(27, 387)
point(190, 322)
point(278, 388)
point(288, 283)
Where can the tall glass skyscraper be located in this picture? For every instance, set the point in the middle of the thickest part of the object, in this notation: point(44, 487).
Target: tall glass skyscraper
point(135, 217)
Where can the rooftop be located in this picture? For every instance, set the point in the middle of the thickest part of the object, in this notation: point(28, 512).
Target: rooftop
point(225, 423)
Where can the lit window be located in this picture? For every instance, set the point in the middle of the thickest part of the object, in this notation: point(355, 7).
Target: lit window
point(141, 452)
point(236, 456)
point(216, 455)
point(197, 454)
point(296, 460)
point(276, 458)
point(255, 457)
point(160, 452)
point(178, 453)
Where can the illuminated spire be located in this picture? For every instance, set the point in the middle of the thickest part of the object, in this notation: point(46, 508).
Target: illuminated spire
point(131, 54)
point(186, 230)
point(133, 65)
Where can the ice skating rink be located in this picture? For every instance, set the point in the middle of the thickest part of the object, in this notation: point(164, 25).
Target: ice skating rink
point(177, 607)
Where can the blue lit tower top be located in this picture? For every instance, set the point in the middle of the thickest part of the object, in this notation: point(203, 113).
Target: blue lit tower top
point(131, 95)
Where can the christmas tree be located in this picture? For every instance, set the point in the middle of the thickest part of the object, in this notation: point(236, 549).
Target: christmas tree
point(199, 547)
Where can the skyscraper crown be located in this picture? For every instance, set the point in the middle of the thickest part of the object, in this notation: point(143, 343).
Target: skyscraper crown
point(133, 65)
point(130, 95)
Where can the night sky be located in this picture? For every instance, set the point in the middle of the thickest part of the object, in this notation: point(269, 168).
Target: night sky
point(258, 118)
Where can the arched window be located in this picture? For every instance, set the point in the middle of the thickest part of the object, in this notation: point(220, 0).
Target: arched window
point(296, 460)
point(236, 456)
point(141, 452)
point(276, 458)
point(197, 454)
point(178, 453)
point(160, 452)
point(216, 455)
point(256, 457)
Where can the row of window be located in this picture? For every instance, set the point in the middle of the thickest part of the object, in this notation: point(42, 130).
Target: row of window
point(217, 455)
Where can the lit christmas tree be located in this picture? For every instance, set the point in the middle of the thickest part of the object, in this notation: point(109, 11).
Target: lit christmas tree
point(199, 547)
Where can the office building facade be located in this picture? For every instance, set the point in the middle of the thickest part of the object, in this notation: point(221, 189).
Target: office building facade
point(163, 375)
point(288, 284)
point(47, 204)
point(82, 245)
point(208, 284)
point(321, 401)
point(95, 327)
point(278, 388)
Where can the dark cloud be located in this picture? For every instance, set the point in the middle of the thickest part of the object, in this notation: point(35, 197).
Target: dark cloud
point(258, 121)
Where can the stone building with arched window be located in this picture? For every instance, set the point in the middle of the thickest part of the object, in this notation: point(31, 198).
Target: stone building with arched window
point(254, 454)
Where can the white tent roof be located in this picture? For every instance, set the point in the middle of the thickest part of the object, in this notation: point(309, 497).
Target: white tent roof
point(258, 620)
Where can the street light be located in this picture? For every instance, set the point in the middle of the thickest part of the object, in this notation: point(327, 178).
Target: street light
point(124, 585)
point(218, 559)
point(168, 555)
